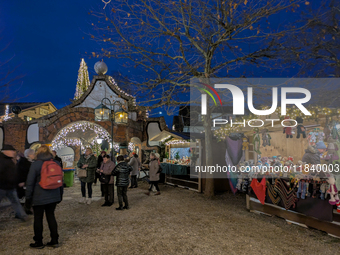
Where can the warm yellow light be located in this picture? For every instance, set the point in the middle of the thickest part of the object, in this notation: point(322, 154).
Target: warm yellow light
point(121, 115)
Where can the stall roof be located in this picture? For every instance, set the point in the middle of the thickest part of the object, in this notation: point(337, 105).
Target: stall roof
point(179, 135)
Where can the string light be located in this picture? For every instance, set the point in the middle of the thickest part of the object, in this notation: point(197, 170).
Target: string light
point(166, 138)
point(83, 81)
point(7, 113)
point(61, 139)
point(176, 142)
point(121, 91)
point(131, 146)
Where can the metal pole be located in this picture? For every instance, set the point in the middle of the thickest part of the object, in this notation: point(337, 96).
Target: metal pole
point(112, 139)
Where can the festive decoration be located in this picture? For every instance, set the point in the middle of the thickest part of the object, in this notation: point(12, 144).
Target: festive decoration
point(176, 142)
point(62, 140)
point(256, 140)
point(288, 130)
point(332, 191)
point(300, 128)
point(131, 146)
point(83, 81)
point(265, 138)
point(7, 113)
point(245, 143)
point(121, 91)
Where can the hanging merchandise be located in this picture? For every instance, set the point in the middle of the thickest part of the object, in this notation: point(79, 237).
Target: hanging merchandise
point(265, 138)
point(332, 191)
point(334, 131)
point(288, 130)
point(332, 152)
point(256, 140)
point(302, 189)
point(300, 128)
point(259, 189)
point(245, 144)
point(287, 195)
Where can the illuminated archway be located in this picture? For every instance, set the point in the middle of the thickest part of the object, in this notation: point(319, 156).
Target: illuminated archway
point(82, 134)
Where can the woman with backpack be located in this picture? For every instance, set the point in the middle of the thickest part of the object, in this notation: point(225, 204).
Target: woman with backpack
point(89, 162)
point(44, 199)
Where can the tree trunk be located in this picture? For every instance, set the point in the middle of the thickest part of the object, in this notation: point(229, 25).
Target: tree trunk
point(209, 190)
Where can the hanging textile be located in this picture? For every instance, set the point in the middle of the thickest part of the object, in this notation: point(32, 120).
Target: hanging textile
point(259, 189)
point(233, 156)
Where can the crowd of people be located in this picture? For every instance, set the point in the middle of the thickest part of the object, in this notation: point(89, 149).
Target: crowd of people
point(21, 177)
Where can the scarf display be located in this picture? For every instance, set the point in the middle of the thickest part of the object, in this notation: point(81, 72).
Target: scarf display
point(259, 189)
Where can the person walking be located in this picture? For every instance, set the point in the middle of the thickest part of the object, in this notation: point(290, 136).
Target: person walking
point(23, 166)
point(42, 200)
point(135, 166)
point(122, 171)
point(9, 180)
point(88, 162)
point(154, 174)
point(106, 168)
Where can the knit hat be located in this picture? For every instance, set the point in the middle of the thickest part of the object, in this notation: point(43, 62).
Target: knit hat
point(156, 155)
point(321, 145)
point(8, 147)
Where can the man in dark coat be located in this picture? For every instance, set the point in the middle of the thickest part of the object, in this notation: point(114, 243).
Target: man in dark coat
point(122, 171)
point(9, 180)
point(57, 158)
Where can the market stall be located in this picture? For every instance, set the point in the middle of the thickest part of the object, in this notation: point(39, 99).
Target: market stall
point(292, 173)
point(178, 153)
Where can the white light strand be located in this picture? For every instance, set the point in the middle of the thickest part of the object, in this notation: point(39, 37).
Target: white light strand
point(7, 113)
point(131, 146)
point(176, 142)
point(122, 91)
point(166, 138)
point(61, 141)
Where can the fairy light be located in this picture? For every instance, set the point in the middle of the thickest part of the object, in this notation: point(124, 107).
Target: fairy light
point(83, 81)
point(176, 142)
point(7, 113)
point(122, 91)
point(61, 139)
point(166, 138)
point(131, 146)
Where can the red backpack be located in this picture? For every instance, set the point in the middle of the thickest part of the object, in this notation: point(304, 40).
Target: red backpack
point(51, 175)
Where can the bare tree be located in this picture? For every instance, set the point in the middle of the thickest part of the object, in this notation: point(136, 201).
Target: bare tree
point(9, 79)
point(173, 41)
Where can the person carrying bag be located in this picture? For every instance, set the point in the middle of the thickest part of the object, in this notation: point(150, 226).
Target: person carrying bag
point(107, 180)
point(87, 163)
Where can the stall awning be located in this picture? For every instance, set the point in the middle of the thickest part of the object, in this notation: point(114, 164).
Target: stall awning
point(164, 134)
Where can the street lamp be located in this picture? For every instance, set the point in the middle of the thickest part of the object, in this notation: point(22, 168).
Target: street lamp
point(103, 113)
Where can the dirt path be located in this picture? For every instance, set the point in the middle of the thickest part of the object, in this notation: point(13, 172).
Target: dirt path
point(176, 222)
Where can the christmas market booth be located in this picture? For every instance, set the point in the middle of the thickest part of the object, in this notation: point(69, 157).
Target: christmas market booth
point(290, 172)
point(177, 154)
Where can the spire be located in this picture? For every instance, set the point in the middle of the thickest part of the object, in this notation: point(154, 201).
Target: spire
point(83, 81)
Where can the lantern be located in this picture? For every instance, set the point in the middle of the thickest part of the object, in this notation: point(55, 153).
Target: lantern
point(102, 113)
point(121, 116)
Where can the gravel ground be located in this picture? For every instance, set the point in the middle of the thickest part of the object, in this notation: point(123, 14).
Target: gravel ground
point(176, 222)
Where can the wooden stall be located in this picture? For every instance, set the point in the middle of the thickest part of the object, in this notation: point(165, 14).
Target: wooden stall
point(180, 153)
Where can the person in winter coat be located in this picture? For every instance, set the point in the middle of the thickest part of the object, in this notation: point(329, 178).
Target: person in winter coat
point(153, 173)
point(89, 162)
point(23, 166)
point(9, 180)
point(311, 156)
point(57, 158)
point(135, 164)
point(42, 200)
point(106, 168)
point(122, 171)
point(99, 163)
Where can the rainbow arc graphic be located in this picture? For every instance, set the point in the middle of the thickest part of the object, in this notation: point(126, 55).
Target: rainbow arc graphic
point(204, 90)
